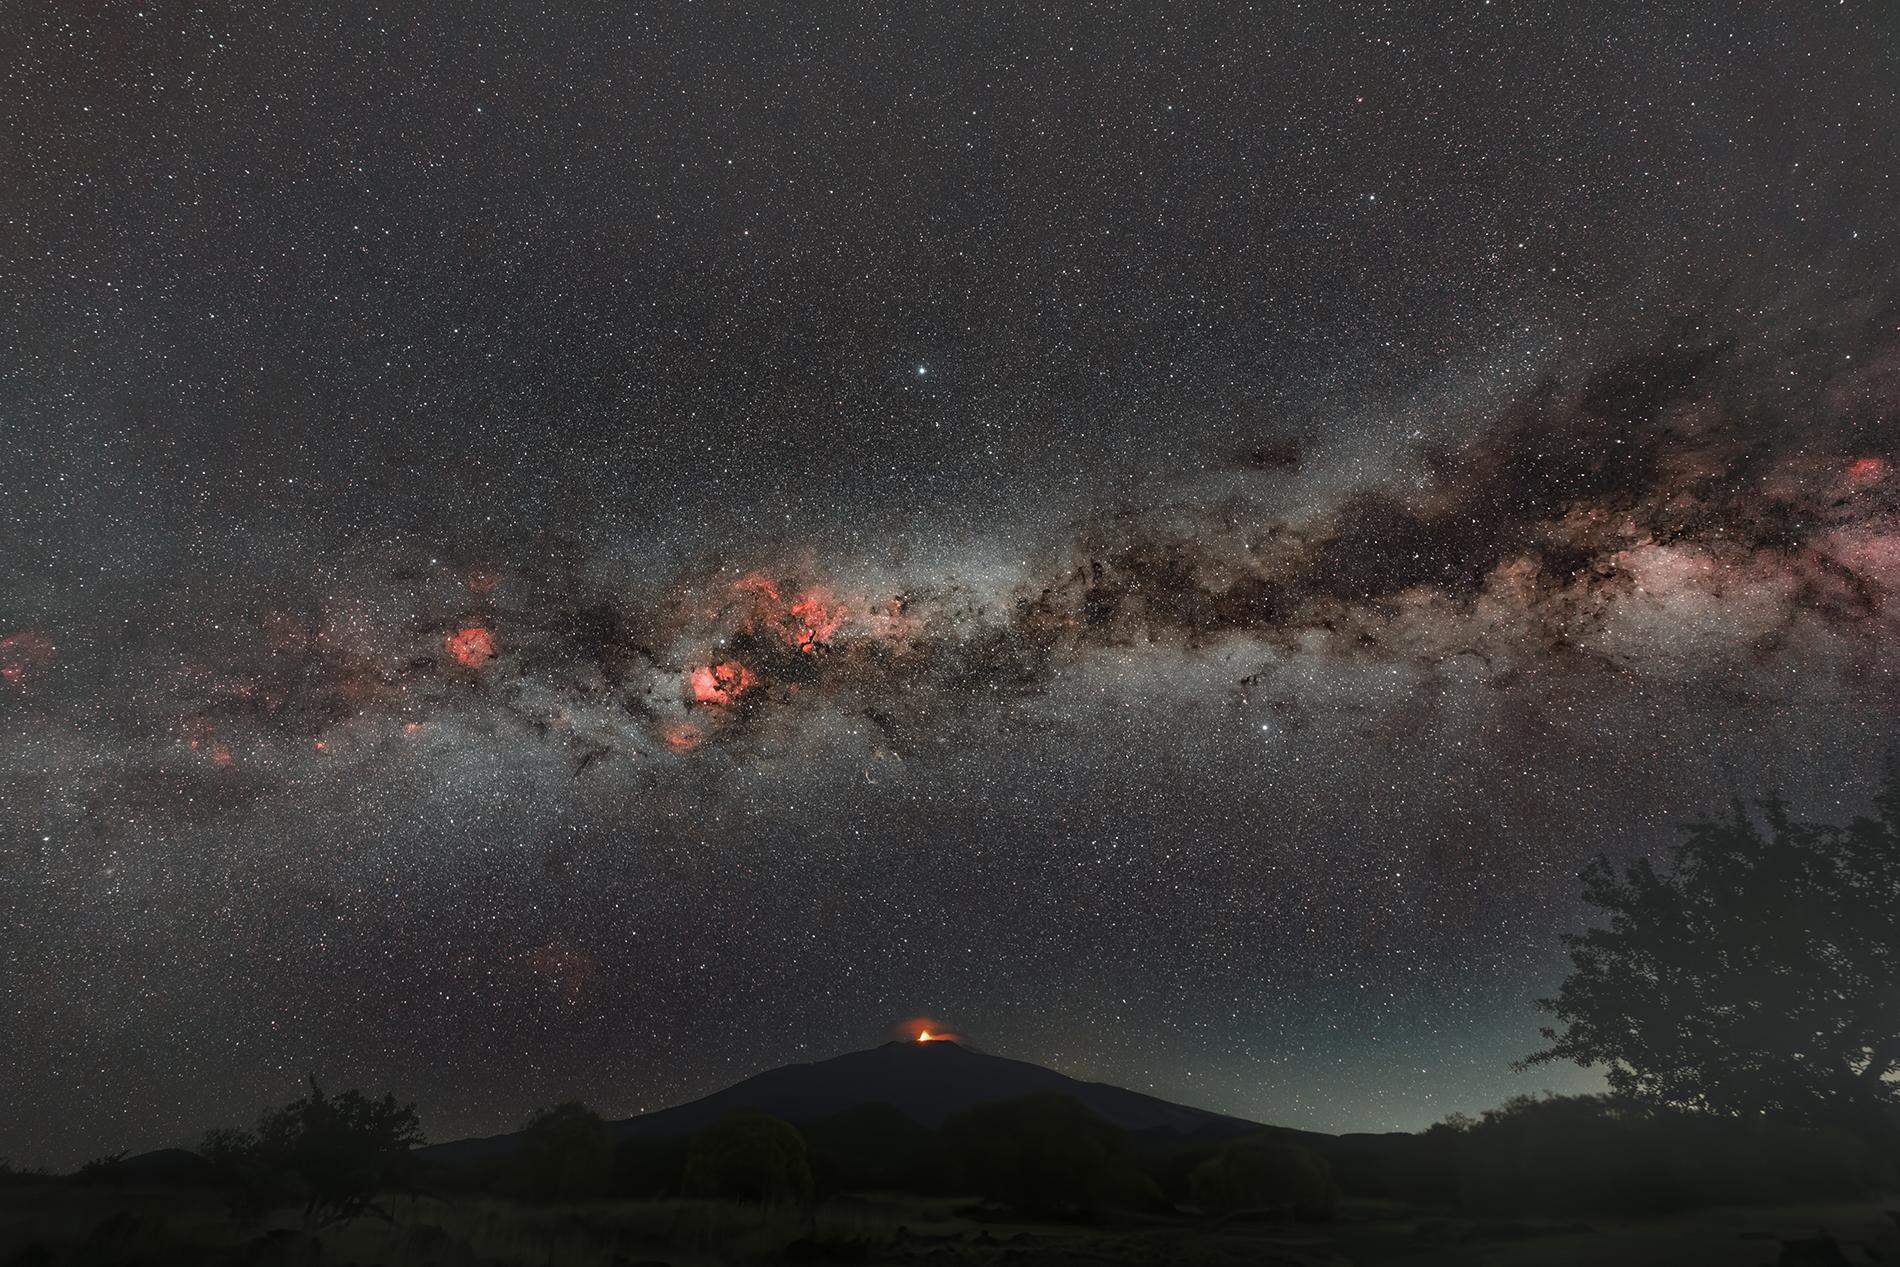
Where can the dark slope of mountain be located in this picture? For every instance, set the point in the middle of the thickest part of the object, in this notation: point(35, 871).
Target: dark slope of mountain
point(925, 1082)
point(160, 1167)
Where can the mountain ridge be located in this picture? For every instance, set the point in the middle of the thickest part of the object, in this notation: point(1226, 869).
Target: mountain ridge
point(925, 1081)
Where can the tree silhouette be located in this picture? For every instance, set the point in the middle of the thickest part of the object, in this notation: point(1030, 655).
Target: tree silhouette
point(341, 1151)
point(566, 1154)
point(1045, 1154)
point(1263, 1172)
point(1758, 975)
point(749, 1157)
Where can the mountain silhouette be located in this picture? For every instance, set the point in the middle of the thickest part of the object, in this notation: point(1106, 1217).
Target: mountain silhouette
point(926, 1082)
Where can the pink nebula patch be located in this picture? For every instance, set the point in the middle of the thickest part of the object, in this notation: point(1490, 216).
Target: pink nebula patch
point(472, 647)
point(23, 655)
point(719, 684)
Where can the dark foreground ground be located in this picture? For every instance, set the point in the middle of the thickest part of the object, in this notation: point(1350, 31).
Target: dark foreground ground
point(67, 1227)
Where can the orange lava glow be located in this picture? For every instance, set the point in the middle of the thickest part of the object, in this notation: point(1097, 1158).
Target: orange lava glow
point(924, 1029)
point(719, 684)
point(472, 647)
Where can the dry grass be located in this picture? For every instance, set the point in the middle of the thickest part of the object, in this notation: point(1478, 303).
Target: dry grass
point(69, 1227)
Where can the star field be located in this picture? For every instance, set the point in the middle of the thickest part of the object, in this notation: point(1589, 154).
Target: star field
point(585, 551)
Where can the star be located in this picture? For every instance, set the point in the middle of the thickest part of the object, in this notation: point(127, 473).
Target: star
point(567, 580)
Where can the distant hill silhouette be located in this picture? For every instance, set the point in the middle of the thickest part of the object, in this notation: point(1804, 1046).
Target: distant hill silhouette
point(925, 1082)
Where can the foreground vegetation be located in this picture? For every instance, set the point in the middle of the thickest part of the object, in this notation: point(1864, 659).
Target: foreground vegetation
point(334, 1179)
point(1743, 1004)
point(73, 1227)
point(1582, 1155)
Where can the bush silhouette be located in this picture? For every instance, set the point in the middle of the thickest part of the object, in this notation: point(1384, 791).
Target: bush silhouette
point(650, 1167)
point(749, 1157)
point(337, 1153)
point(1758, 976)
point(102, 1172)
point(565, 1154)
point(1266, 1173)
point(1596, 1154)
point(1045, 1154)
point(13, 1177)
point(1397, 1167)
point(874, 1146)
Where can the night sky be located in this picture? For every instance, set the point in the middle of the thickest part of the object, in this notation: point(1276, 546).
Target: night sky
point(587, 550)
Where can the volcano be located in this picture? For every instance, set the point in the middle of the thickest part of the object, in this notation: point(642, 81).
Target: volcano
point(924, 1081)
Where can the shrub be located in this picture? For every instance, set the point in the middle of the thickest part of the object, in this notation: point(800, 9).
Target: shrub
point(874, 1146)
point(565, 1154)
point(335, 1152)
point(1583, 1154)
point(749, 1157)
point(1266, 1173)
point(102, 1172)
point(1045, 1154)
point(649, 1167)
point(1398, 1167)
point(13, 1177)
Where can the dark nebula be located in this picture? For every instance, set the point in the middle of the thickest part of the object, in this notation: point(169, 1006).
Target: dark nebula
point(584, 554)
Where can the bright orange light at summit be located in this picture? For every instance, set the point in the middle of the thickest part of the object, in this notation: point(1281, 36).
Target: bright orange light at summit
point(924, 1029)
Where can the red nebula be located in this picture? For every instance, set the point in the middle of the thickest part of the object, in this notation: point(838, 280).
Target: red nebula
point(1864, 471)
point(412, 728)
point(23, 654)
point(759, 584)
point(814, 619)
point(472, 647)
point(483, 580)
point(199, 737)
point(720, 683)
point(804, 624)
point(681, 736)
